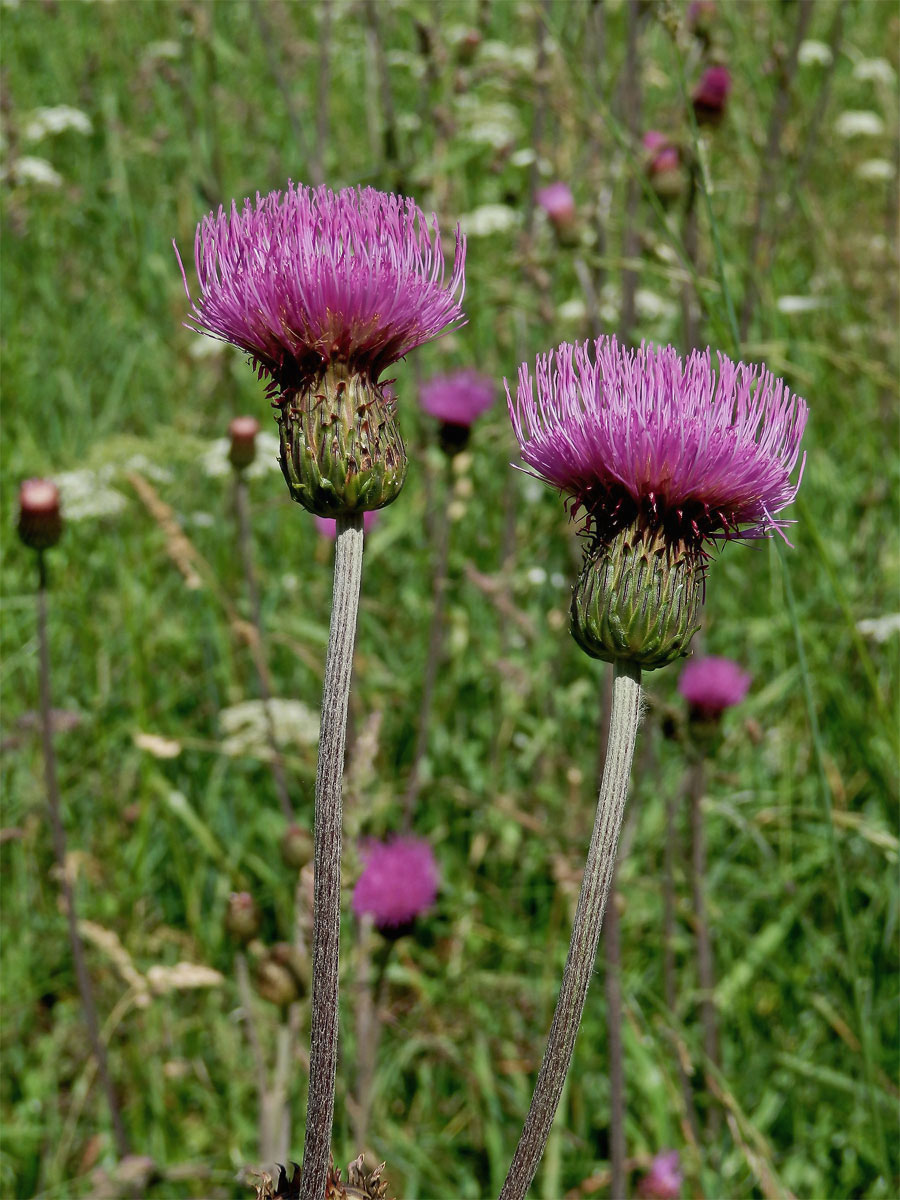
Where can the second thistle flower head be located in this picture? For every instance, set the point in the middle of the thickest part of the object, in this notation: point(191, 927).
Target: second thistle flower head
point(325, 290)
point(456, 401)
point(663, 455)
point(712, 684)
point(399, 882)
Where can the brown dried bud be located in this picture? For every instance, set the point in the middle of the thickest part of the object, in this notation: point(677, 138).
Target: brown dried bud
point(282, 975)
point(242, 918)
point(40, 521)
point(296, 847)
point(242, 452)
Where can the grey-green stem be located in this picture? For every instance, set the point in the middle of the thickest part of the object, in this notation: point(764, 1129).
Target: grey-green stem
point(598, 873)
point(327, 885)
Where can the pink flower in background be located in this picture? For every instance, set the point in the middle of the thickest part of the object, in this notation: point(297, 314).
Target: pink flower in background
point(661, 155)
point(663, 1180)
point(711, 93)
point(696, 452)
point(398, 883)
point(458, 398)
point(307, 277)
point(710, 685)
point(558, 203)
point(327, 526)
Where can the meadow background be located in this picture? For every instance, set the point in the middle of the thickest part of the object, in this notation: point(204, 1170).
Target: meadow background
point(170, 806)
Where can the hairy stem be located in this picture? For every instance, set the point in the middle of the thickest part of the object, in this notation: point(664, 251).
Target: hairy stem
point(245, 540)
point(598, 871)
point(98, 1049)
point(327, 883)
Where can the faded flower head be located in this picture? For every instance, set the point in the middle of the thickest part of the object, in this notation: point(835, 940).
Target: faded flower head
point(558, 203)
point(456, 401)
point(325, 290)
point(399, 882)
point(242, 451)
point(662, 455)
point(710, 94)
point(40, 521)
point(663, 1180)
point(710, 685)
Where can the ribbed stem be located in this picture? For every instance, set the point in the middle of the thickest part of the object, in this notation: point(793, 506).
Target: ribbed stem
point(327, 882)
point(598, 872)
point(98, 1049)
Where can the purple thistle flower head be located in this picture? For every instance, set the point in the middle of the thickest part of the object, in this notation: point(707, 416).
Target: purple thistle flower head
point(307, 277)
point(698, 452)
point(710, 685)
point(558, 203)
point(711, 93)
point(663, 1180)
point(458, 398)
point(661, 154)
point(398, 883)
point(662, 455)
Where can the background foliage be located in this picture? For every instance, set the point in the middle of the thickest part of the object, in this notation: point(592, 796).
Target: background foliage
point(469, 107)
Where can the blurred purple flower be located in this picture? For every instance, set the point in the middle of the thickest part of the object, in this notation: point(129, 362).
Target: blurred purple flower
point(662, 155)
point(327, 526)
point(710, 685)
point(307, 277)
point(711, 93)
point(398, 883)
point(558, 203)
point(663, 1180)
point(689, 451)
point(458, 398)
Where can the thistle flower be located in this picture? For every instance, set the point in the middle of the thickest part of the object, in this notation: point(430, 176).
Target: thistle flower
point(662, 159)
point(40, 522)
point(457, 400)
point(663, 456)
point(398, 883)
point(324, 291)
point(558, 203)
point(663, 1180)
point(710, 685)
point(710, 95)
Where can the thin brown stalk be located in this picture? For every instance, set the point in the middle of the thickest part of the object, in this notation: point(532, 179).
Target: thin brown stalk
point(771, 161)
point(245, 541)
point(705, 963)
point(328, 828)
point(599, 867)
point(245, 995)
point(54, 808)
point(441, 521)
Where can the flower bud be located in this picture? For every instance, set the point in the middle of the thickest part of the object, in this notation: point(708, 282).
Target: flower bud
point(341, 449)
point(40, 522)
point(242, 431)
point(242, 917)
point(296, 847)
point(638, 599)
point(282, 975)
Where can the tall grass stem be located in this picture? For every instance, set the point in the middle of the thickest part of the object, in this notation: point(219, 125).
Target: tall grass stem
point(327, 883)
point(705, 963)
point(598, 873)
point(98, 1049)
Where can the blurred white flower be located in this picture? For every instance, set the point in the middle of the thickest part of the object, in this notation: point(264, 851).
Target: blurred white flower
point(488, 219)
point(216, 464)
point(536, 575)
point(59, 119)
point(879, 629)
point(165, 49)
point(158, 746)
point(875, 170)
point(29, 169)
point(651, 306)
point(862, 123)
point(246, 728)
point(206, 347)
point(572, 310)
point(523, 158)
point(789, 305)
point(523, 58)
point(85, 493)
point(558, 579)
point(874, 70)
point(493, 123)
point(202, 520)
point(814, 54)
point(145, 466)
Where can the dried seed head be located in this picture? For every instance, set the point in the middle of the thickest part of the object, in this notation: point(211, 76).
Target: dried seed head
point(40, 520)
point(242, 431)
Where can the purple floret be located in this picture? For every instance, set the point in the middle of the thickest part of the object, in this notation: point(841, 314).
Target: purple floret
point(710, 685)
point(398, 883)
point(663, 1180)
point(306, 277)
point(697, 452)
point(458, 398)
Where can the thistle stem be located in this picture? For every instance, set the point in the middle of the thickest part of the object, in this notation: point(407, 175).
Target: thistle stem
point(245, 540)
point(327, 881)
point(58, 832)
point(598, 872)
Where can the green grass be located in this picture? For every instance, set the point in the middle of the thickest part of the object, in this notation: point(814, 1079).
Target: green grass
point(97, 368)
